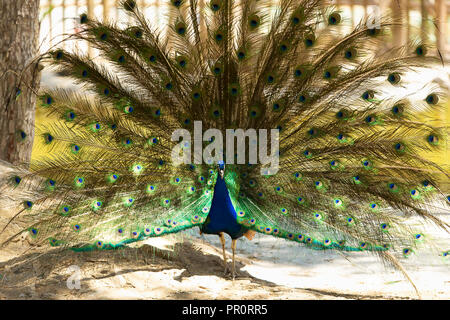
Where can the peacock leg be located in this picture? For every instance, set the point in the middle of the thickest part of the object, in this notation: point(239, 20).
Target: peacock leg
point(222, 240)
point(233, 247)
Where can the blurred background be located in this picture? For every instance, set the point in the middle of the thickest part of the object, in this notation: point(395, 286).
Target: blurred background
point(427, 19)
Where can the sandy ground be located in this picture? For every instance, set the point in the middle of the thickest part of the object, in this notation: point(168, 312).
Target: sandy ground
point(189, 266)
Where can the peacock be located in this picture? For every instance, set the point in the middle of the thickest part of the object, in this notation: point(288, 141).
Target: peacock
point(135, 152)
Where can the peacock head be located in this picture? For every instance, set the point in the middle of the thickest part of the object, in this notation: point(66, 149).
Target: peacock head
point(221, 166)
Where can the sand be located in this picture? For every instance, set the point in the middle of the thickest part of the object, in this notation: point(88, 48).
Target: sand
point(187, 266)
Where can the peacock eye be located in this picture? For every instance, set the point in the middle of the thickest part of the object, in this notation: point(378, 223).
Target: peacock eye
point(17, 179)
point(418, 236)
point(399, 147)
point(406, 252)
point(47, 100)
point(350, 53)
point(367, 95)
point(283, 48)
point(367, 164)
point(48, 138)
point(370, 119)
point(432, 139)
point(421, 51)
point(397, 109)
point(432, 99)
point(254, 21)
point(334, 18)
point(309, 40)
point(372, 32)
point(181, 30)
point(83, 18)
point(394, 78)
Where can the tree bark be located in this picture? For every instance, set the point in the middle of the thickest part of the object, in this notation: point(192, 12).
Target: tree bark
point(424, 25)
point(441, 22)
point(19, 77)
point(400, 14)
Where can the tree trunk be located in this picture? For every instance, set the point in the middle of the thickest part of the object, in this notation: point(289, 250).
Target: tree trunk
point(441, 22)
point(424, 25)
point(19, 77)
point(400, 14)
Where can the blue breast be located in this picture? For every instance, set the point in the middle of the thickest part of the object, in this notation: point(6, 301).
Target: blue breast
point(222, 215)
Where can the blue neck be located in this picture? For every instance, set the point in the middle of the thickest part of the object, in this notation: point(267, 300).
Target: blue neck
point(222, 215)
